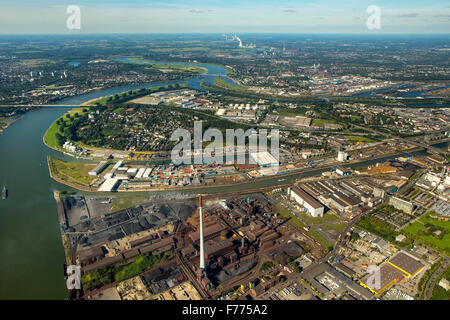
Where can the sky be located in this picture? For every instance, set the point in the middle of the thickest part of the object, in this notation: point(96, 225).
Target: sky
point(224, 16)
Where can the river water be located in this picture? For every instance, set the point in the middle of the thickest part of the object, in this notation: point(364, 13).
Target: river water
point(31, 253)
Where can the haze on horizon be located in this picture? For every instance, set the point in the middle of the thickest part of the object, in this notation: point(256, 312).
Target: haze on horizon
point(224, 16)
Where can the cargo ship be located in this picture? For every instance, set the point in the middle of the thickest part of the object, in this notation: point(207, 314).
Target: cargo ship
point(4, 193)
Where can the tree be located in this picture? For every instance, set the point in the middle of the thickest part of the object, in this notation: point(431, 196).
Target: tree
point(59, 139)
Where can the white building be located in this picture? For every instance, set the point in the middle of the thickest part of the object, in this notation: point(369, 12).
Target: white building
point(444, 283)
point(342, 156)
point(109, 185)
point(264, 159)
point(98, 168)
point(314, 207)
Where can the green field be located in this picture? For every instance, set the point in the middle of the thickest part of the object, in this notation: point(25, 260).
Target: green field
point(378, 227)
point(266, 265)
point(321, 122)
point(126, 201)
point(72, 172)
point(298, 223)
point(123, 271)
point(359, 139)
point(222, 83)
point(317, 220)
point(339, 227)
point(423, 230)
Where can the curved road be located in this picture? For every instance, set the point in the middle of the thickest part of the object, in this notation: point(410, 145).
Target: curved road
point(431, 283)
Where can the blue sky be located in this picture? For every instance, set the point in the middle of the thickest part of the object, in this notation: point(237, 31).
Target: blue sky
point(174, 16)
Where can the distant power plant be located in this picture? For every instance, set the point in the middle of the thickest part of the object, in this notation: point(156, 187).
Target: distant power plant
point(236, 38)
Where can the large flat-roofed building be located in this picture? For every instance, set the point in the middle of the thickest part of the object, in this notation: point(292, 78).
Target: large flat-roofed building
point(406, 264)
point(208, 232)
point(386, 276)
point(98, 168)
point(401, 204)
point(109, 185)
point(314, 207)
point(118, 165)
point(264, 159)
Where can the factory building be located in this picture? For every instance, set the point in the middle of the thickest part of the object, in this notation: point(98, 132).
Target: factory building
point(406, 264)
point(343, 171)
point(342, 156)
point(264, 159)
point(314, 207)
point(118, 165)
point(209, 232)
point(98, 168)
point(401, 204)
point(387, 275)
point(110, 185)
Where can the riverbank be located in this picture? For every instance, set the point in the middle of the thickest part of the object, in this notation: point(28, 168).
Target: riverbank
point(62, 220)
point(53, 172)
point(5, 125)
point(277, 180)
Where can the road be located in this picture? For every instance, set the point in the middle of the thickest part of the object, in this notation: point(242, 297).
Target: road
point(431, 283)
point(331, 254)
point(417, 144)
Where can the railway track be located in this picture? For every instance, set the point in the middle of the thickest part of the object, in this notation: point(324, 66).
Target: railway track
point(191, 276)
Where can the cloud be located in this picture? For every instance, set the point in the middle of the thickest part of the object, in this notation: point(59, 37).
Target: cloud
point(408, 15)
point(447, 16)
point(200, 10)
point(290, 10)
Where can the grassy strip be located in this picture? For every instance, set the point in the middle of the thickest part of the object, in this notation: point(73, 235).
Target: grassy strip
point(317, 220)
point(424, 230)
point(440, 293)
point(378, 227)
point(266, 266)
point(298, 223)
point(72, 172)
point(50, 137)
point(359, 139)
point(123, 202)
point(339, 227)
point(423, 281)
point(120, 272)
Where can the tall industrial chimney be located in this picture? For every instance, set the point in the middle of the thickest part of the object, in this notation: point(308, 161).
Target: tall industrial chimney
point(202, 247)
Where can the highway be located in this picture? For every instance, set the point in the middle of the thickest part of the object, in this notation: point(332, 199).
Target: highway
point(432, 281)
point(417, 144)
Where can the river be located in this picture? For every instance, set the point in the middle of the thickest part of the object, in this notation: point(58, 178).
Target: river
point(31, 253)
